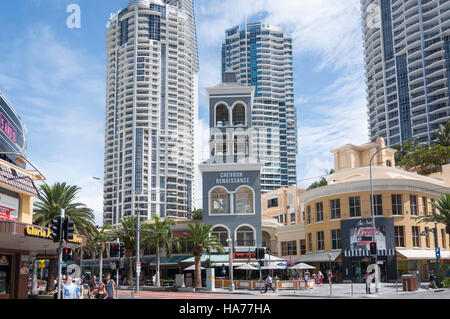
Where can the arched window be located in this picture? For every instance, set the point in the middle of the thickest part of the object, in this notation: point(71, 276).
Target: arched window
point(245, 236)
point(238, 115)
point(244, 201)
point(222, 115)
point(222, 235)
point(218, 202)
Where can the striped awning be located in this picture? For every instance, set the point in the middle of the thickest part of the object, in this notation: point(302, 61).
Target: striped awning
point(366, 253)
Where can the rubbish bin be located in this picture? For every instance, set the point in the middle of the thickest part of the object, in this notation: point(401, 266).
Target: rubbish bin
point(409, 283)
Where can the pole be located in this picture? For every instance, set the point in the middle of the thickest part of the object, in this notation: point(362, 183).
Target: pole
point(117, 272)
point(138, 244)
point(60, 252)
point(231, 265)
point(436, 245)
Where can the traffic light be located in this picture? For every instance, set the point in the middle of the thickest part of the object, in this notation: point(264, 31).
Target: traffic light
point(69, 229)
point(260, 253)
point(121, 250)
point(67, 254)
point(373, 248)
point(56, 229)
point(113, 250)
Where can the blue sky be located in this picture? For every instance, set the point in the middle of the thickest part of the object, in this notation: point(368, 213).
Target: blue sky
point(55, 78)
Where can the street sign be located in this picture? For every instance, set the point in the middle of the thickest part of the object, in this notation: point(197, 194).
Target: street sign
point(138, 266)
point(438, 252)
point(42, 265)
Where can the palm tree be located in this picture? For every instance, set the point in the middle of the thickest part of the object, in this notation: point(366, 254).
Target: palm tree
point(200, 240)
point(159, 234)
point(126, 232)
point(443, 134)
point(100, 241)
point(197, 214)
point(443, 217)
point(50, 201)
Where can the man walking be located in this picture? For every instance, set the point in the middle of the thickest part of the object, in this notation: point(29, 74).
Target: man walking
point(269, 283)
point(110, 286)
point(92, 286)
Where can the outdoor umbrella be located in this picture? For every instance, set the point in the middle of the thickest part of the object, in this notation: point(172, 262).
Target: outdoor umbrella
point(191, 268)
point(302, 266)
point(247, 267)
point(273, 266)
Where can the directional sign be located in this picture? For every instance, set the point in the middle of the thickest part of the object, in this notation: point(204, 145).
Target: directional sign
point(438, 252)
point(138, 267)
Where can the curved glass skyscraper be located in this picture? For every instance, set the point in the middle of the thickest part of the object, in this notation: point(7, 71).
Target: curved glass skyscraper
point(261, 56)
point(151, 108)
point(407, 56)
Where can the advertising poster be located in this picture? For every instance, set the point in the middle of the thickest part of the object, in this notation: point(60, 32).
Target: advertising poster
point(361, 235)
point(9, 207)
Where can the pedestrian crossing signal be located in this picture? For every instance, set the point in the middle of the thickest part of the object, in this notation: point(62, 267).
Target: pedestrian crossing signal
point(67, 254)
point(373, 248)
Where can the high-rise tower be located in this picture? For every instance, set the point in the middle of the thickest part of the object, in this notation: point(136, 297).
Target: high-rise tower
point(261, 56)
point(151, 108)
point(407, 56)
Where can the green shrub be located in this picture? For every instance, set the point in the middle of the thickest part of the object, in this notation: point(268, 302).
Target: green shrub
point(445, 283)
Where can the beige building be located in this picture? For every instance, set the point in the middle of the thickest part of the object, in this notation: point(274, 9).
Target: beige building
point(284, 205)
point(335, 228)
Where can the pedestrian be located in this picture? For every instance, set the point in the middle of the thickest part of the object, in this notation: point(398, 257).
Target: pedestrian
point(320, 277)
point(69, 289)
point(368, 281)
point(306, 279)
point(154, 280)
point(110, 286)
point(330, 277)
point(432, 281)
point(55, 290)
point(269, 283)
point(101, 292)
point(92, 286)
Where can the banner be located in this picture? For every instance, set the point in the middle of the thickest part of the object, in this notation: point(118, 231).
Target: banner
point(9, 207)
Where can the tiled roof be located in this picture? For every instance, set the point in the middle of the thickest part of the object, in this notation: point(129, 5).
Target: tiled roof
point(18, 180)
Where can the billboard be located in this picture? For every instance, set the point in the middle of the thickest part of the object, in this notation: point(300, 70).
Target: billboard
point(357, 234)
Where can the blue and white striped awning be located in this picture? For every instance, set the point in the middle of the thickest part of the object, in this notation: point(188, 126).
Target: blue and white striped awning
point(366, 253)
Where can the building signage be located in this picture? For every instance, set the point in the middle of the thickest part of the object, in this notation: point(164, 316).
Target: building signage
point(244, 256)
point(357, 236)
point(9, 207)
point(45, 233)
point(232, 178)
point(11, 127)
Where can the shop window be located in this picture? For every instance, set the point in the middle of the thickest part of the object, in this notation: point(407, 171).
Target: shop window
point(5, 274)
point(219, 201)
point(399, 233)
point(397, 205)
point(244, 201)
point(222, 116)
point(239, 115)
point(245, 236)
point(222, 235)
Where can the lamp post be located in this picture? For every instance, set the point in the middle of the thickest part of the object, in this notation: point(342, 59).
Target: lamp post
point(373, 211)
point(329, 278)
point(436, 245)
point(230, 244)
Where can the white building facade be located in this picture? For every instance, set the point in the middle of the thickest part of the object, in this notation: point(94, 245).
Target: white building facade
point(407, 56)
point(151, 108)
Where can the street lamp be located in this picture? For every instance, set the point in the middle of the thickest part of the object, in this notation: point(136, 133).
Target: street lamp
point(23, 160)
point(372, 203)
point(436, 245)
point(230, 245)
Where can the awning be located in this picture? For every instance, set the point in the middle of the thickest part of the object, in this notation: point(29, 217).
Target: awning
point(17, 180)
point(224, 259)
point(318, 257)
point(420, 254)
